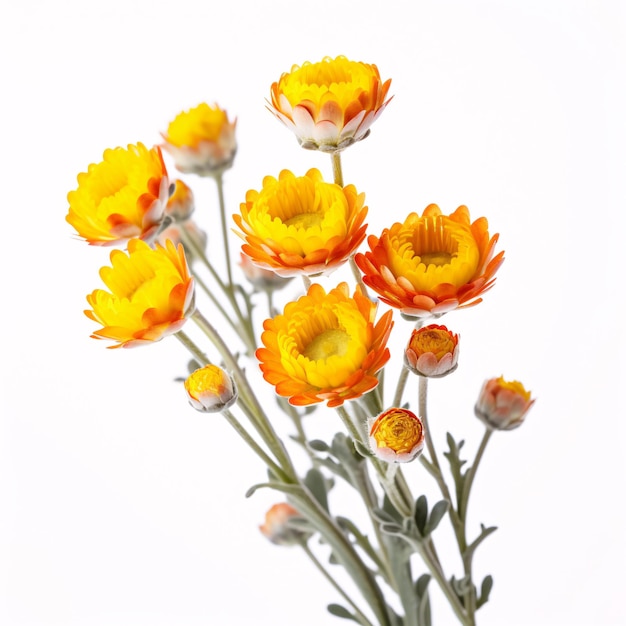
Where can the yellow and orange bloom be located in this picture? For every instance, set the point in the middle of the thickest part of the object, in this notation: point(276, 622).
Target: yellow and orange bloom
point(181, 204)
point(151, 295)
point(331, 104)
point(503, 405)
point(325, 347)
point(300, 224)
point(277, 526)
point(201, 140)
point(122, 197)
point(432, 351)
point(210, 389)
point(433, 263)
point(396, 435)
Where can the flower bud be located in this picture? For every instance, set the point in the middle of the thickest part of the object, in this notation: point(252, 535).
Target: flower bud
point(277, 528)
point(182, 232)
point(181, 203)
point(396, 435)
point(503, 405)
point(210, 389)
point(433, 351)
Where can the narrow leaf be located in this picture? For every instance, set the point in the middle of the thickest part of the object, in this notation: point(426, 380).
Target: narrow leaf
point(485, 590)
point(316, 483)
point(436, 515)
point(339, 611)
point(319, 446)
point(421, 514)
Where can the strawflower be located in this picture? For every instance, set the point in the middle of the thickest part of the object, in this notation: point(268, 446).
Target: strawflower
point(433, 263)
point(120, 198)
point(201, 140)
point(301, 224)
point(277, 526)
point(432, 351)
point(396, 435)
point(151, 295)
point(181, 204)
point(210, 389)
point(331, 104)
point(503, 405)
point(325, 347)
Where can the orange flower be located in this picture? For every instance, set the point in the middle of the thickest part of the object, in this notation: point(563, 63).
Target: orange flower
point(122, 197)
point(151, 295)
point(503, 405)
point(325, 347)
point(301, 225)
point(433, 351)
point(201, 140)
point(396, 435)
point(432, 264)
point(277, 527)
point(331, 104)
point(210, 389)
point(181, 204)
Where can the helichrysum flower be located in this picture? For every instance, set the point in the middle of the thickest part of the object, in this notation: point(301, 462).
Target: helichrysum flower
point(433, 351)
point(325, 347)
point(181, 204)
point(202, 140)
point(277, 526)
point(151, 295)
point(503, 405)
point(122, 197)
point(431, 264)
point(301, 224)
point(331, 104)
point(396, 435)
point(210, 389)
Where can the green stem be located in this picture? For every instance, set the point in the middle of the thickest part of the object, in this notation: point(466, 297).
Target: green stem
point(198, 355)
point(397, 398)
point(471, 473)
point(337, 173)
point(361, 618)
point(219, 182)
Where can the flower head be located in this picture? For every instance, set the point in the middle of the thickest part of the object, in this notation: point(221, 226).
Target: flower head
point(301, 224)
point(433, 351)
point(277, 526)
point(396, 435)
point(122, 197)
point(503, 405)
point(331, 104)
point(151, 295)
point(210, 389)
point(181, 203)
point(325, 347)
point(201, 140)
point(431, 264)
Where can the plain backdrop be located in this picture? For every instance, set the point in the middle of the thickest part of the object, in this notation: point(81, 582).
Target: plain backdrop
point(122, 506)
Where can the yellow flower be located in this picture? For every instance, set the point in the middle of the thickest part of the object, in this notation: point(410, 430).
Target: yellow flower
point(151, 295)
point(210, 389)
point(122, 197)
point(433, 351)
point(181, 203)
point(331, 104)
point(396, 435)
point(503, 405)
point(325, 347)
point(301, 225)
point(432, 264)
point(201, 140)
point(277, 527)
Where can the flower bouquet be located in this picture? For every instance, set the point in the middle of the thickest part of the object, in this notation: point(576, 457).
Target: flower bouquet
point(321, 350)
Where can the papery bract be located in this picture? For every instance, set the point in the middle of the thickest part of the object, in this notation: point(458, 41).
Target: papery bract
point(432, 351)
point(503, 405)
point(325, 347)
point(301, 224)
point(210, 389)
point(201, 140)
point(151, 295)
point(122, 197)
point(331, 104)
point(431, 264)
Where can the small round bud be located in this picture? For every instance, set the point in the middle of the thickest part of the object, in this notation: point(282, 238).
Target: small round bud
point(433, 351)
point(210, 389)
point(503, 405)
point(396, 435)
point(277, 528)
point(181, 203)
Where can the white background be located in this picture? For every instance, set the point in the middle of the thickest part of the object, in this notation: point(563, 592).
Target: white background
point(120, 505)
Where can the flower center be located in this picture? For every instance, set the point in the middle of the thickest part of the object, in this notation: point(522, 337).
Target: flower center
point(397, 429)
point(333, 342)
point(436, 258)
point(434, 340)
point(304, 220)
